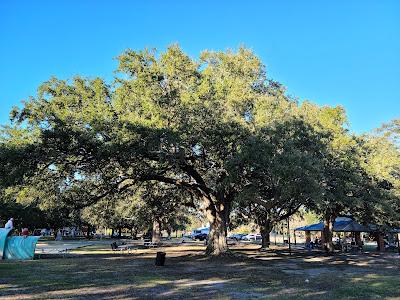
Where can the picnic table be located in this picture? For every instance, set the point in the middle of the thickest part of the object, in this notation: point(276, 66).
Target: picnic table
point(149, 244)
point(121, 247)
point(115, 246)
point(351, 247)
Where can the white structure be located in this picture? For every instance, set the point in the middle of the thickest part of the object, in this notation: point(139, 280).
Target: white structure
point(9, 224)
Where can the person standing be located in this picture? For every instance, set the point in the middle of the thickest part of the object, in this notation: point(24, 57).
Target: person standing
point(25, 232)
point(59, 235)
point(9, 224)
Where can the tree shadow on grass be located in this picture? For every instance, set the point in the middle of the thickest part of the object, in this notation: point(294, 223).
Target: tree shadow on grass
point(190, 275)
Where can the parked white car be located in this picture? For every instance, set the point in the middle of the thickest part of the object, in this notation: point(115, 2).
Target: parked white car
point(252, 237)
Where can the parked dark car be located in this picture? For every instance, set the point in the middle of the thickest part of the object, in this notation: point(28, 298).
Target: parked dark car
point(200, 236)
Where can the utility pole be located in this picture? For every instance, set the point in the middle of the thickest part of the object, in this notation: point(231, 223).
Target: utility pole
point(288, 228)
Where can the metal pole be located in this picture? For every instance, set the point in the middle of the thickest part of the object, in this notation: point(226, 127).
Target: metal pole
point(294, 233)
point(283, 232)
point(398, 243)
point(290, 247)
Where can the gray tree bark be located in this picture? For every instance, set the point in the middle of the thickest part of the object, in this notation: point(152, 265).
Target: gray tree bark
point(216, 213)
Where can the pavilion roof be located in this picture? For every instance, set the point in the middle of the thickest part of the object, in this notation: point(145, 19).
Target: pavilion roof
point(340, 225)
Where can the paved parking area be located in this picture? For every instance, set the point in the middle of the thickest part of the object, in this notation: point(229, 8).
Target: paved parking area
point(52, 247)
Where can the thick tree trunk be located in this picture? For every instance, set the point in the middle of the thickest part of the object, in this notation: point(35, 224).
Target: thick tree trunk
point(88, 232)
point(328, 233)
point(308, 236)
point(216, 213)
point(119, 232)
point(380, 241)
point(266, 229)
point(169, 231)
point(156, 237)
point(357, 237)
point(217, 244)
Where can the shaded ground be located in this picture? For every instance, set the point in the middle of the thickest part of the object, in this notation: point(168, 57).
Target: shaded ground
point(95, 272)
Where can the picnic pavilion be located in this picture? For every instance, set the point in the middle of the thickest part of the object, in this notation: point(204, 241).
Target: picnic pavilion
point(348, 225)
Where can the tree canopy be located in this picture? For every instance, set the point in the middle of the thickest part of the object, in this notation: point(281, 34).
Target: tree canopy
point(212, 134)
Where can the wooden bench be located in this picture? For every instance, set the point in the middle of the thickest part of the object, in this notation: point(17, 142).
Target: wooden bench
point(115, 247)
point(149, 244)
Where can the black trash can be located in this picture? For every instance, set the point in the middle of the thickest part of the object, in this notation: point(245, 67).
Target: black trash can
point(160, 258)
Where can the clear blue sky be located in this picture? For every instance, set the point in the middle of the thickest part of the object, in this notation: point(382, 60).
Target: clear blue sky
point(330, 52)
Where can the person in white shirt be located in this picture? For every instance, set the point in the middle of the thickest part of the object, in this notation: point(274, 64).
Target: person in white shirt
point(9, 224)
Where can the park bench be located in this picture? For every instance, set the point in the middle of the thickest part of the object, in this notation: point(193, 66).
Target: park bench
point(115, 247)
point(149, 244)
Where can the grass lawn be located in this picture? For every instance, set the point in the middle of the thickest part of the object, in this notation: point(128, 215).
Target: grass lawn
point(97, 273)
